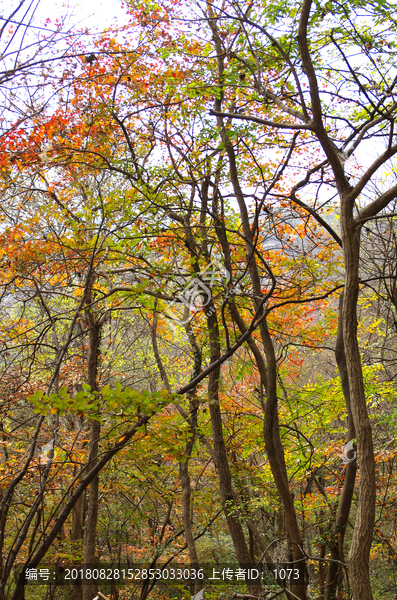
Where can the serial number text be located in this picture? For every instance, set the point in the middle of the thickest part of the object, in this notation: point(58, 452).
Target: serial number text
point(136, 574)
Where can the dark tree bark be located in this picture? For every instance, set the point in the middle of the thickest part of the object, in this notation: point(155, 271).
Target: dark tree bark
point(334, 572)
point(364, 524)
point(192, 420)
point(222, 462)
point(77, 535)
point(94, 334)
point(184, 464)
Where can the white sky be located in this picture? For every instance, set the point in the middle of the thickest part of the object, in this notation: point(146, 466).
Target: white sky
point(94, 14)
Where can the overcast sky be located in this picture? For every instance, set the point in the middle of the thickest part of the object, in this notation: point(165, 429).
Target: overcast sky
point(95, 14)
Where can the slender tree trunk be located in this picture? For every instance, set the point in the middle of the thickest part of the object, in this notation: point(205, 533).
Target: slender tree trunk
point(222, 463)
point(77, 534)
point(90, 590)
point(321, 571)
point(275, 454)
point(186, 507)
point(184, 464)
point(364, 524)
point(77, 528)
point(334, 572)
point(77, 520)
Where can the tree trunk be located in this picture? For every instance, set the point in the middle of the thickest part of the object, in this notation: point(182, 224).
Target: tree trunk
point(90, 590)
point(334, 572)
point(222, 463)
point(184, 464)
point(77, 534)
point(186, 509)
point(363, 528)
point(275, 454)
